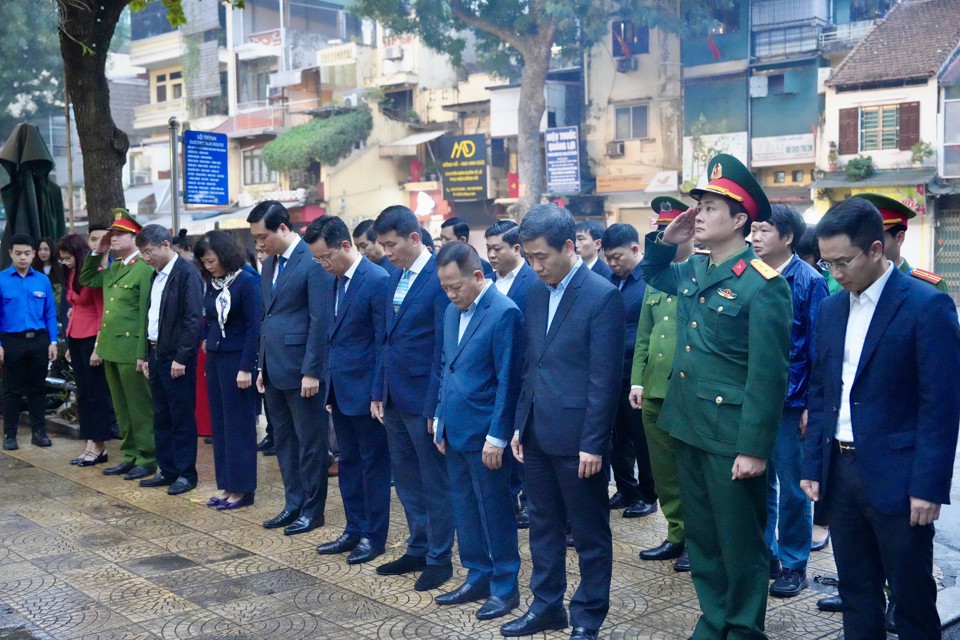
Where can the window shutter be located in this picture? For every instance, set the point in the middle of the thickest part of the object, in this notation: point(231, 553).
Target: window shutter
point(909, 125)
point(849, 142)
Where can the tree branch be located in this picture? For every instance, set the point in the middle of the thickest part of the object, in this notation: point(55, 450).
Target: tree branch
point(474, 21)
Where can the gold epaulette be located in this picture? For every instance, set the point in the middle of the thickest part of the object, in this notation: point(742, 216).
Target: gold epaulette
point(765, 270)
point(929, 276)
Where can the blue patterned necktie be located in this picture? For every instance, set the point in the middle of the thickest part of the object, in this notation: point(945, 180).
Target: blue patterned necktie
point(402, 287)
point(280, 265)
point(341, 294)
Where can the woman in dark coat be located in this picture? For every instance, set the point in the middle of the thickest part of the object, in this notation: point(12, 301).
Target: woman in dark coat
point(233, 309)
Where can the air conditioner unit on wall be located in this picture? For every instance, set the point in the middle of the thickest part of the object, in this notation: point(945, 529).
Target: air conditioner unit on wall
point(625, 65)
point(615, 149)
point(759, 86)
point(393, 53)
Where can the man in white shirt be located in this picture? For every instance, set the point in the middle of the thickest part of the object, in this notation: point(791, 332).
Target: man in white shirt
point(884, 407)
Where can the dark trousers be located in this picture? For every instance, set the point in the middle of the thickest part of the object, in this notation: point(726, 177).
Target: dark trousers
point(300, 439)
point(420, 477)
point(233, 423)
point(94, 406)
point(868, 547)
point(25, 373)
point(364, 475)
point(724, 520)
point(174, 420)
point(486, 526)
point(516, 479)
point(555, 495)
point(629, 448)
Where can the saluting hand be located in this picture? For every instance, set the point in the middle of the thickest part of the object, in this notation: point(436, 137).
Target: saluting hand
point(682, 228)
point(103, 247)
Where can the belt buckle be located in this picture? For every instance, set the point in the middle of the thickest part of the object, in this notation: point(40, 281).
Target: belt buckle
point(30, 334)
point(845, 447)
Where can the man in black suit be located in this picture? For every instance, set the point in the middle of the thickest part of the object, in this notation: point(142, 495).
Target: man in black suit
point(457, 230)
point(365, 239)
point(293, 345)
point(174, 323)
point(589, 241)
point(574, 359)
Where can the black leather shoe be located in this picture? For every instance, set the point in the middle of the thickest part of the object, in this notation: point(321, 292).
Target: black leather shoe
point(158, 480)
point(830, 604)
point(302, 525)
point(266, 443)
point(523, 519)
point(496, 607)
point(582, 633)
point(820, 546)
point(433, 576)
point(40, 439)
point(640, 508)
point(137, 472)
point(282, 519)
point(364, 552)
point(346, 542)
point(465, 593)
point(789, 583)
point(682, 565)
point(119, 469)
point(100, 459)
point(531, 623)
point(10, 442)
point(404, 564)
point(617, 501)
point(775, 568)
point(181, 485)
point(666, 551)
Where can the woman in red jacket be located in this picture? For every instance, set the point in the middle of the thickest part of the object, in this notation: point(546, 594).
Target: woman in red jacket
point(94, 405)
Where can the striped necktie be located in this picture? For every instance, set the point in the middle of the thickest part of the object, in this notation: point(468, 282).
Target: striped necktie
point(281, 263)
point(402, 287)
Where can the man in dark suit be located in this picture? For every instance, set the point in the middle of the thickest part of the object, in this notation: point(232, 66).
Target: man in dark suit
point(358, 303)
point(293, 345)
point(457, 230)
point(479, 384)
point(405, 390)
point(173, 326)
point(884, 407)
point(365, 239)
point(571, 384)
point(589, 241)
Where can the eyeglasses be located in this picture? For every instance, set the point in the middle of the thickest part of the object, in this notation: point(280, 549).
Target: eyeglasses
point(839, 265)
point(325, 259)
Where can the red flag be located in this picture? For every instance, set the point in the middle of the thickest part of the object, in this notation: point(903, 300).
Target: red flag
point(713, 47)
point(513, 185)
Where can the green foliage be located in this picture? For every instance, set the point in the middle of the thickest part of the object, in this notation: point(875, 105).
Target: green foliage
point(920, 152)
point(859, 168)
point(323, 140)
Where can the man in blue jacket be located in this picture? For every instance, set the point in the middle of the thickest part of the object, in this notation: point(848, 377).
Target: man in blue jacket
point(479, 383)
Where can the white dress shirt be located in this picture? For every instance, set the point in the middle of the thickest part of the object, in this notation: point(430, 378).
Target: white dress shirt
point(286, 258)
point(346, 285)
point(418, 265)
point(506, 281)
point(156, 296)
point(862, 308)
point(556, 292)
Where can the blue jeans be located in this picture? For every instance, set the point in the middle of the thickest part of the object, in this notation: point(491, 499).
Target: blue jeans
point(788, 509)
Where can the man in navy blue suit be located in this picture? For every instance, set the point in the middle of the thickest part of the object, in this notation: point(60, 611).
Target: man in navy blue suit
point(568, 399)
point(293, 338)
point(358, 305)
point(884, 405)
point(406, 384)
point(589, 241)
point(365, 237)
point(479, 384)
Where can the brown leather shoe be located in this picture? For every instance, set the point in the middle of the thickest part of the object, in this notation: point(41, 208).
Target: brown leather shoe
point(333, 470)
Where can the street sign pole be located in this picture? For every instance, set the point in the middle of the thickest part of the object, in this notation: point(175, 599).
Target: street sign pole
point(174, 173)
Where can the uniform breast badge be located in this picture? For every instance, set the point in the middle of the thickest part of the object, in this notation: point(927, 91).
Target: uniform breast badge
point(726, 293)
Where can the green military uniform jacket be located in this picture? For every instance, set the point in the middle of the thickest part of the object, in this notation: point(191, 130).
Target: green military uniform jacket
point(927, 276)
point(656, 342)
point(126, 296)
point(733, 349)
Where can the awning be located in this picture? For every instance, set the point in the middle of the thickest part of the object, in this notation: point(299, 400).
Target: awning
point(882, 178)
point(788, 194)
point(941, 187)
point(408, 146)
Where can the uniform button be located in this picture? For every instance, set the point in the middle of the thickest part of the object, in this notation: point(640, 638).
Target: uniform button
point(111, 299)
point(687, 348)
point(669, 299)
point(684, 293)
point(665, 318)
point(452, 370)
point(682, 375)
point(694, 324)
point(719, 399)
point(720, 309)
point(663, 337)
point(659, 355)
point(127, 334)
point(539, 365)
point(702, 299)
point(107, 311)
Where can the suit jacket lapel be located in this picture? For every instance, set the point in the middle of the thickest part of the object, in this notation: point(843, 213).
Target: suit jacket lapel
point(291, 264)
point(474, 323)
point(569, 296)
point(890, 300)
point(418, 284)
point(517, 281)
point(356, 282)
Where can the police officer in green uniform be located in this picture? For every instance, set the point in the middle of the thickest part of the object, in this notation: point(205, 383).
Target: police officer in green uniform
point(652, 364)
point(895, 218)
point(122, 337)
point(725, 395)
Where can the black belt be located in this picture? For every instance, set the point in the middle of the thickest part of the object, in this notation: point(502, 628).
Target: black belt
point(152, 343)
point(26, 334)
point(845, 447)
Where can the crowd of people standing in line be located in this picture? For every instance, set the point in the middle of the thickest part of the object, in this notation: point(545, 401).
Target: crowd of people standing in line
point(712, 374)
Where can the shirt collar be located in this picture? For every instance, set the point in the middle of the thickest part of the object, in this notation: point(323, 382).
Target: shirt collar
point(512, 274)
point(567, 278)
point(293, 245)
point(13, 271)
point(873, 292)
point(473, 307)
point(593, 262)
point(130, 258)
point(168, 269)
point(784, 266)
point(420, 262)
point(353, 268)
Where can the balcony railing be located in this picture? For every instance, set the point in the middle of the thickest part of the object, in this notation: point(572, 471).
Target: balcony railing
point(261, 115)
point(768, 14)
point(147, 116)
point(845, 34)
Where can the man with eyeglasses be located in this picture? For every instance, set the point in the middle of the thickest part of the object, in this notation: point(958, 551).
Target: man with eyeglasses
point(884, 408)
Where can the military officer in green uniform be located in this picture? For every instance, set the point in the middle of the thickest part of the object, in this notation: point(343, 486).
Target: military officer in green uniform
point(895, 219)
point(122, 338)
point(652, 364)
point(726, 392)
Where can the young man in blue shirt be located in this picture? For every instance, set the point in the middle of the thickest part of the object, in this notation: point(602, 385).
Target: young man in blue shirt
point(28, 340)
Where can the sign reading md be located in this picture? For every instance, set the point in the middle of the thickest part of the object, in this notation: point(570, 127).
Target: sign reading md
point(463, 162)
point(562, 147)
point(205, 168)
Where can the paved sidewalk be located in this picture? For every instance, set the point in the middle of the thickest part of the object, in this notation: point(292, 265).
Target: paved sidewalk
point(83, 555)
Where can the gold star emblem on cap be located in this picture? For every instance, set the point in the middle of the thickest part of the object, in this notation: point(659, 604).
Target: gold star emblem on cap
point(717, 172)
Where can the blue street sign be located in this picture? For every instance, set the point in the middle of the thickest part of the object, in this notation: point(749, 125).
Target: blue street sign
point(562, 147)
point(205, 168)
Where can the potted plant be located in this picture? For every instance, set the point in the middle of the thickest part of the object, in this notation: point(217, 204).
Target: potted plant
point(859, 168)
point(920, 152)
point(833, 157)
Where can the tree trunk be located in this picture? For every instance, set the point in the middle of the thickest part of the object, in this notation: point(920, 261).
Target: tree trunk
point(533, 103)
point(86, 29)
